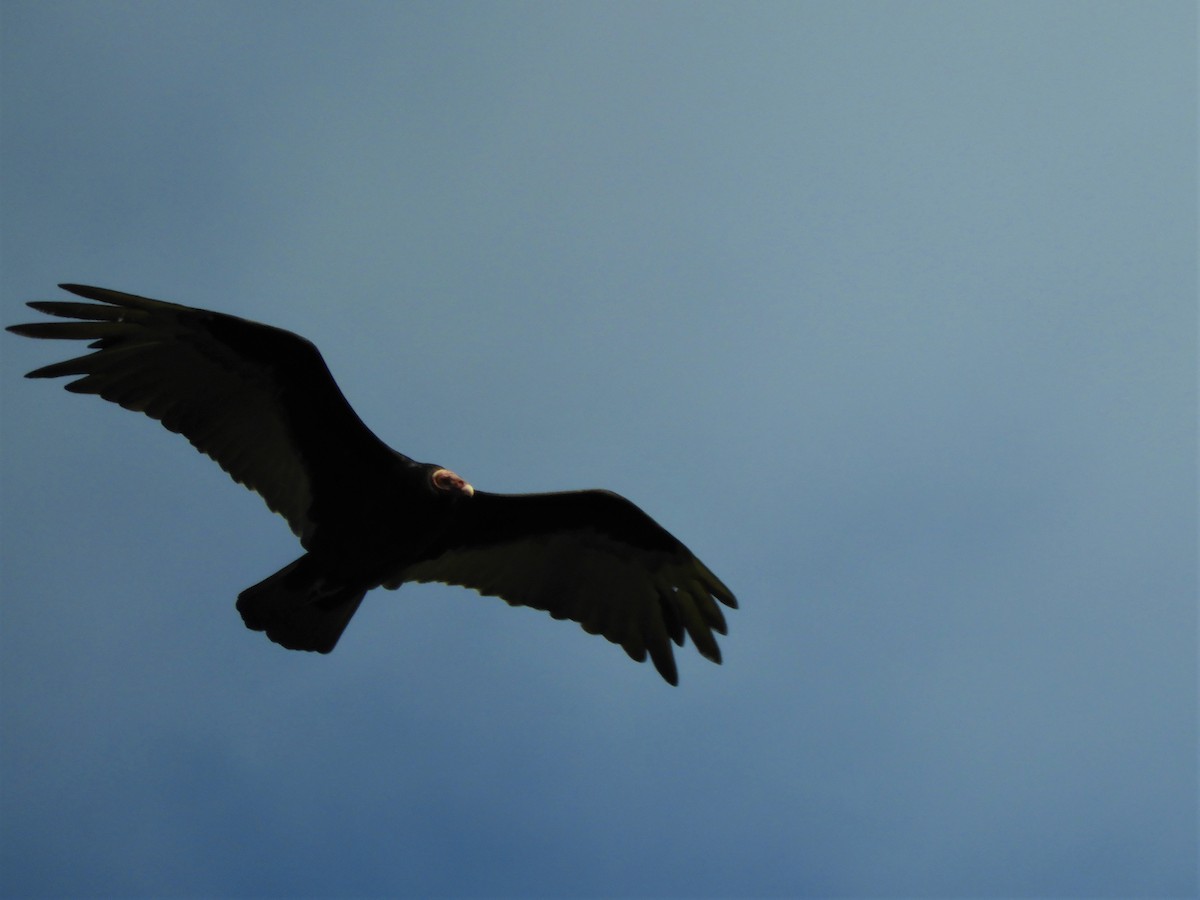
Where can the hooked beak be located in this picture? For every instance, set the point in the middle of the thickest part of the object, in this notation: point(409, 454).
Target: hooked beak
point(445, 480)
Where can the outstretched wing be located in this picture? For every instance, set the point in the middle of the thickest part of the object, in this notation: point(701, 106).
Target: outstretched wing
point(589, 556)
point(258, 400)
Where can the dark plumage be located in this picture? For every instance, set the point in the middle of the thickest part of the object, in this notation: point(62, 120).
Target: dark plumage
point(261, 402)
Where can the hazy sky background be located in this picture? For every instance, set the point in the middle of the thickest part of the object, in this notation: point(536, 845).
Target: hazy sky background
point(887, 310)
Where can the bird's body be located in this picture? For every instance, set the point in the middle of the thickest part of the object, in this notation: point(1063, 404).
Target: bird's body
point(261, 402)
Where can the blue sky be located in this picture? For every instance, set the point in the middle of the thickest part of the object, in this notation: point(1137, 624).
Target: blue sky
point(887, 310)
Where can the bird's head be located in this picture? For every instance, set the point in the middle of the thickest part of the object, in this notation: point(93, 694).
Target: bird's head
point(450, 483)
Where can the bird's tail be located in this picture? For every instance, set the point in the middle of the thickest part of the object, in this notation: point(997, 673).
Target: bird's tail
point(300, 607)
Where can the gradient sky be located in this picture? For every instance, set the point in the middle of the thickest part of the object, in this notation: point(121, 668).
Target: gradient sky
point(887, 310)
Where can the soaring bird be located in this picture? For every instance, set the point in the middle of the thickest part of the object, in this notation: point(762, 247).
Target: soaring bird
point(262, 403)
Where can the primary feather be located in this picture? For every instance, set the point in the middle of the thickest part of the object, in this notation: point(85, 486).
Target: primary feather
point(261, 402)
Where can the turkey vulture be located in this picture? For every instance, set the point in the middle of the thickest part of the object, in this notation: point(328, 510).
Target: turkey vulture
point(261, 402)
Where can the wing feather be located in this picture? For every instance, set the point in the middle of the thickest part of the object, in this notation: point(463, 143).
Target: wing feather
point(588, 556)
point(259, 400)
